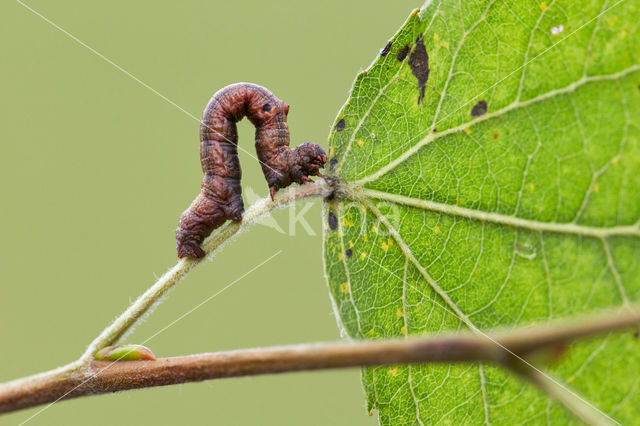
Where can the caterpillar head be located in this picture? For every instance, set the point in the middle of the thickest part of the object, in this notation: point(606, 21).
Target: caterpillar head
point(311, 158)
point(303, 161)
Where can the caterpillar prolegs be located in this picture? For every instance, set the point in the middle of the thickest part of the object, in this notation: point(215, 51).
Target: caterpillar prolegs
point(220, 198)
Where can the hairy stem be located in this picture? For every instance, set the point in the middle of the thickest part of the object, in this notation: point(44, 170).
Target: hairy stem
point(103, 377)
point(153, 295)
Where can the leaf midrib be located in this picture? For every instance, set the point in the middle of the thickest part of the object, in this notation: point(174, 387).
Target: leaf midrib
point(365, 197)
point(358, 193)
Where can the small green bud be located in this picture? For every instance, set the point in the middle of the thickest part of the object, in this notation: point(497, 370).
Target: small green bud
point(125, 353)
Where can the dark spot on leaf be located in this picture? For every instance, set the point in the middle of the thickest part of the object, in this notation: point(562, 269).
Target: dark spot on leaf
point(636, 335)
point(558, 351)
point(435, 130)
point(479, 109)
point(266, 107)
point(333, 221)
point(419, 63)
point(402, 54)
point(332, 163)
point(495, 135)
point(349, 253)
point(340, 125)
point(385, 51)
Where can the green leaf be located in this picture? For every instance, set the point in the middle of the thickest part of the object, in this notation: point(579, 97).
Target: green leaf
point(508, 196)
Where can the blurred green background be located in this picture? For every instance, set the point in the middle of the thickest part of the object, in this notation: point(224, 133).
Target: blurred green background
point(95, 170)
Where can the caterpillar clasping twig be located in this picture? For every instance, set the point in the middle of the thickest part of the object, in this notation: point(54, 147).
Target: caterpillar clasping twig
point(220, 198)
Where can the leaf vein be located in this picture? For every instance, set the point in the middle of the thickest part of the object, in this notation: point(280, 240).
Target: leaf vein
point(513, 106)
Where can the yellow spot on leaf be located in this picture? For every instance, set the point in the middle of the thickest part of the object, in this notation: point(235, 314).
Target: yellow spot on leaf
point(384, 246)
point(531, 187)
point(365, 237)
point(360, 143)
point(615, 160)
point(467, 130)
point(436, 229)
point(404, 330)
point(596, 188)
point(624, 32)
point(340, 256)
point(350, 244)
point(363, 208)
point(344, 287)
point(390, 242)
point(331, 152)
point(436, 37)
point(400, 314)
point(363, 255)
point(543, 6)
point(445, 44)
point(394, 371)
point(374, 229)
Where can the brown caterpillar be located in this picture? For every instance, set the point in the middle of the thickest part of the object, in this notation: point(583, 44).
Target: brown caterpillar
point(221, 196)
